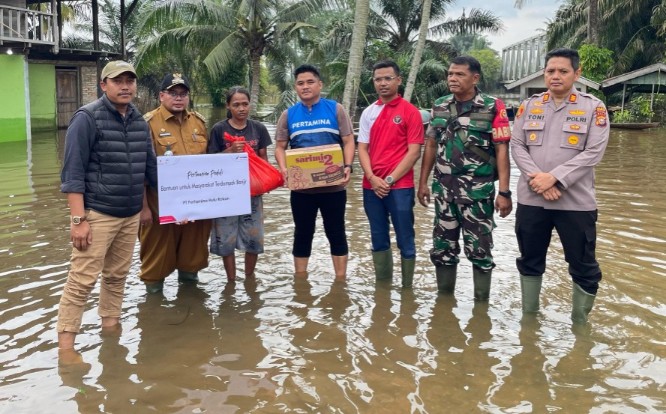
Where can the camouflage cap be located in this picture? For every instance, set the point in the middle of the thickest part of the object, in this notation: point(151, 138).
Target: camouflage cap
point(115, 68)
point(174, 79)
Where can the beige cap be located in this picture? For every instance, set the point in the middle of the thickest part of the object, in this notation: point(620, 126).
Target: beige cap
point(115, 68)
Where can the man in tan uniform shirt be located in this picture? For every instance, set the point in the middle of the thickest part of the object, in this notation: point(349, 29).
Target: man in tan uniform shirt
point(167, 247)
point(558, 137)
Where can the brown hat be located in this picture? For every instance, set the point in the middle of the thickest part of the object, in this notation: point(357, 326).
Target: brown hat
point(117, 67)
point(174, 79)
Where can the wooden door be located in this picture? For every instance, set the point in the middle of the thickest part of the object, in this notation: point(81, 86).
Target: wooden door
point(67, 90)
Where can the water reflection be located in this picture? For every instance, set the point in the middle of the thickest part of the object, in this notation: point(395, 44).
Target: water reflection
point(169, 364)
point(526, 387)
point(286, 344)
point(392, 361)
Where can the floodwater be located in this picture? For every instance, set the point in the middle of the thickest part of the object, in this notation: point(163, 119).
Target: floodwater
point(295, 345)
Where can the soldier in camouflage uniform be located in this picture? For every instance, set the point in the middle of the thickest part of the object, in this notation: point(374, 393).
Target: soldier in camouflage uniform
point(468, 145)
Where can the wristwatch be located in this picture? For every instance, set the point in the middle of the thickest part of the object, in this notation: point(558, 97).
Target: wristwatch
point(351, 169)
point(76, 220)
point(389, 180)
point(506, 193)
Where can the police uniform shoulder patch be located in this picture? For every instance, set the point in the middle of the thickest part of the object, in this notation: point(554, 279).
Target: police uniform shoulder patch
point(589, 97)
point(600, 116)
point(520, 110)
point(524, 104)
point(149, 115)
point(198, 115)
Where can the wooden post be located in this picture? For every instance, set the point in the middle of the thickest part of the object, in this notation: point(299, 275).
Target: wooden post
point(55, 23)
point(95, 22)
point(624, 91)
point(123, 51)
point(59, 14)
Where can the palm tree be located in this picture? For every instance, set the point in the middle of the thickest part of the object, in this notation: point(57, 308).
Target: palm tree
point(402, 19)
point(109, 30)
point(478, 20)
point(418, 50)
point(255, 28)
point(591, 22)
point(632, 29)
point(463, 43)
point(390, 36)
point(355, 65)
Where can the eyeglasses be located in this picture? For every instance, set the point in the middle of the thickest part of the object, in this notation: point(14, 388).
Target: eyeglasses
point(383, 79)
point(175, 95)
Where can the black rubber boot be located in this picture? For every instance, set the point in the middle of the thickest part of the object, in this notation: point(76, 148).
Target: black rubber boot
point(446, 278)
point(482, 284)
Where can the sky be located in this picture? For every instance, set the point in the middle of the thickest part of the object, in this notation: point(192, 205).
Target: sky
point(518, 24)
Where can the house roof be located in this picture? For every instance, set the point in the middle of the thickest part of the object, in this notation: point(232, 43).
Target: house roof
point(526, 40)
point(643, 77)
point(539, 73)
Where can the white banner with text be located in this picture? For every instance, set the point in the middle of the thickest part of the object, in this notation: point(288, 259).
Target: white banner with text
point(194, 187)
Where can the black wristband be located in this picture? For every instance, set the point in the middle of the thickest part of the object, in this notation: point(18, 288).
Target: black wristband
point(351, 169)
point(506, 193)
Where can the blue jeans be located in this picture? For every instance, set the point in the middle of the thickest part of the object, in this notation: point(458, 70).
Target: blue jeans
point(399, 206)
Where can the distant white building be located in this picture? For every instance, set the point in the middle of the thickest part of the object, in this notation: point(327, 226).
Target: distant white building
point(522, 70)
point(534, 83)
point(523, 58)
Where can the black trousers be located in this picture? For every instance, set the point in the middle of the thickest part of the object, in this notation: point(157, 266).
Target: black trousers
point(304, 209)
point(578, 233)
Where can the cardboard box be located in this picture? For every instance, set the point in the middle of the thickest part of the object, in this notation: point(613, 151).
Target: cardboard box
point(312, 167)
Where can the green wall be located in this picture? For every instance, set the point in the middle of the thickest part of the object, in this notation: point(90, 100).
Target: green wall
point(12, 106)
point(42, 79)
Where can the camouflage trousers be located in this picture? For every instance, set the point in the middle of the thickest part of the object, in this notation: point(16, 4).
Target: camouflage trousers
point(477, 224)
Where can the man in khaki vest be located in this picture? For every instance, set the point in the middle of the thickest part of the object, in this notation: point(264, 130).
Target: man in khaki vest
point(181, 246)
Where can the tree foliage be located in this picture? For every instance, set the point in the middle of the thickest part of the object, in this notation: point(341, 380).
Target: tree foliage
point(595, 61)
point(228, 31)
point(219, 43)
point(491, 67)
point(638, 110)
point(633, 29)
point(395, 24)
point(355, 61)
point(109, 28)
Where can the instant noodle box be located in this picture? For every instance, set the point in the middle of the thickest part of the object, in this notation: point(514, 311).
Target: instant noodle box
point(312, 167)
